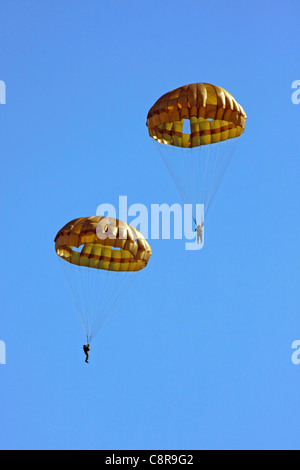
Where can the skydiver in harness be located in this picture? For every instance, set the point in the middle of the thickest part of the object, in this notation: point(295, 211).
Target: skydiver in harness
point(86, 350)
point(199, 230)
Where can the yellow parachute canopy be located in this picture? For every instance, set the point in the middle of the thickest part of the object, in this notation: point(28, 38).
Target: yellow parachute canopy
point(106, 243)
point(196, 129)
point(213, 113)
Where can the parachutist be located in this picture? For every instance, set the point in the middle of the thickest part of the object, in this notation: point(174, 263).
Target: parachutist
point(87, 349)
point(199, 230)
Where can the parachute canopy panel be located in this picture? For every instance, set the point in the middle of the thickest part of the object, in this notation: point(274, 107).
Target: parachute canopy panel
point(105, 243)
point(213, 113)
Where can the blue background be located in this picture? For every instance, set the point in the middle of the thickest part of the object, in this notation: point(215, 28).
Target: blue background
point(199, 353)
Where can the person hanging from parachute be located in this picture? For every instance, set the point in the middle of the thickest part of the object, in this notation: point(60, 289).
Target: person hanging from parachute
point(100, 257)
point(199, 229)
point(86, 349)
point(196, 128)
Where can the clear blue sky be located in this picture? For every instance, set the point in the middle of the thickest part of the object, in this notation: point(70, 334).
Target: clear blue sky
point(199, 355)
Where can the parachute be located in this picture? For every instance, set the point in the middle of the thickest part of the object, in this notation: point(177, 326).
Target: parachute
point(100, 256)
point(196, 128)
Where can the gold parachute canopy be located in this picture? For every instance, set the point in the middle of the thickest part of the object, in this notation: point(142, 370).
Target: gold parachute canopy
point(105, 243)
point(213, 113)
